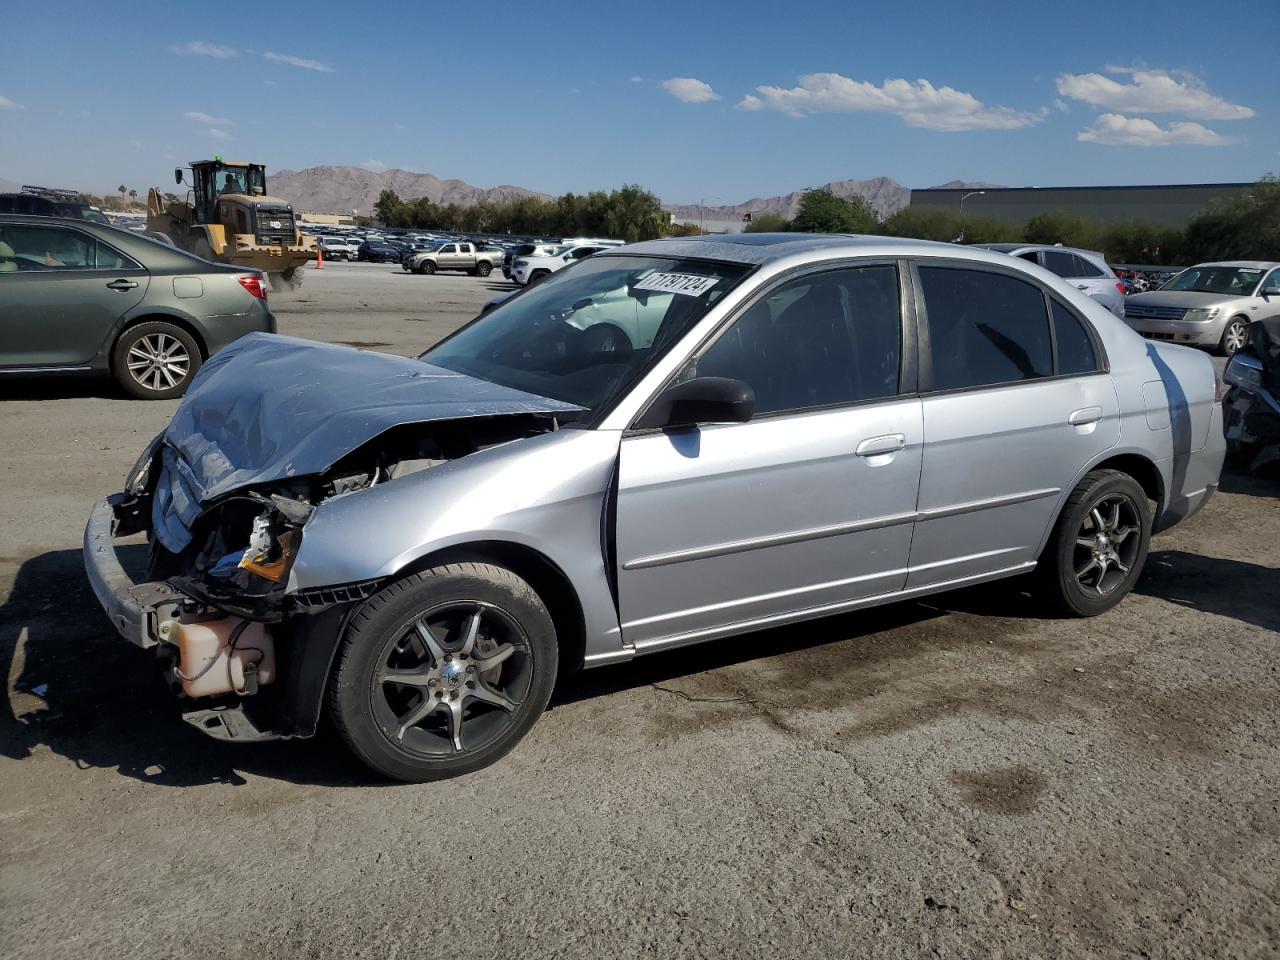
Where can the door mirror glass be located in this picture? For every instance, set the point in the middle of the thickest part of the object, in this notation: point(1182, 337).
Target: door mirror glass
point(1271, 291)
point(177, 175)
point(701, 400)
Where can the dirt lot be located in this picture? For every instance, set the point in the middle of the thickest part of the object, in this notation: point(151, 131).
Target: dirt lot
point(951, 778)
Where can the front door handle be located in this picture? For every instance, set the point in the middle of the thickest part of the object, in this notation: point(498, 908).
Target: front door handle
point(1085, 416)
point(878, 446)
point(121, 285)
point(1082, 286)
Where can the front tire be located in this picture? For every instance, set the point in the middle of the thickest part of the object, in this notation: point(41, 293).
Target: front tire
point(1235, 336)
point(1098, 546)
point(155, 360)
point(427, 267)
point(443, 672)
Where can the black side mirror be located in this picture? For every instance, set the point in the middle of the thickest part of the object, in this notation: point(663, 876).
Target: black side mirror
point(177, 175)
point(701, 400)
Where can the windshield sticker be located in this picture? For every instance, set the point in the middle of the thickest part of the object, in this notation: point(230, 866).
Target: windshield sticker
point(688, 284)
point(1250, 270)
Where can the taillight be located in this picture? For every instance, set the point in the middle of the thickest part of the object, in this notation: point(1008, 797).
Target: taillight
point(255, 285)
point(1121, 287)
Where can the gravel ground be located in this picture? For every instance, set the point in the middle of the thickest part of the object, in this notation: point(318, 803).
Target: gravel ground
point(953, 778)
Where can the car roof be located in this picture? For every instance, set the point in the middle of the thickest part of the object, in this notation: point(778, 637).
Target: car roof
point(764, 248)
point(1245, 264)
point(1027, 247)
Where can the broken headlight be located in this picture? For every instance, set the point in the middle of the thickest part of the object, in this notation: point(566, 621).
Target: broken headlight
point(139, 476)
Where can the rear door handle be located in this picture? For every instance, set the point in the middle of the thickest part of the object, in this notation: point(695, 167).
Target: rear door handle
point(1084, 416)
point(121, 285)
point(878, 446)
point(1082, 286)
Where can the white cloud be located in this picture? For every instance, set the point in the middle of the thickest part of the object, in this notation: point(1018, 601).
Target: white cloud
point(199, 117)
point(201, 49)
point(920, 104)
point(219, 134)
point(689, 90)
point(1151, 91)
point(293, 61)
point(399, 126)
point(1115, 130)
point(377, 166)
point(1062, 105)
point(7, 104)
point(636, 78)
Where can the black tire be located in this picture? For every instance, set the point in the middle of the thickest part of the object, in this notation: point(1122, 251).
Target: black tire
point(1079, 552)
point(136, 360)
point(484, 268)
point(1234, 336)
point(538, 276)
point(365, 708)
point(427, 267)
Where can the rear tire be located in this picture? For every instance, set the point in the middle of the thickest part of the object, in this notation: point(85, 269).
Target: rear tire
point(413, 699)
point(484, 268)
point(155, 360)
point(1098, 546)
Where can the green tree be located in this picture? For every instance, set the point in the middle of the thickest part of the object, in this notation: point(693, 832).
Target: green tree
point(389, 208)
point(823, 212)
point(1243, 228)
point(768, 223)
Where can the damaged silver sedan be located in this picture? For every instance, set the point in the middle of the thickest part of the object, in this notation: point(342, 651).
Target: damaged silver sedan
point(672, 442)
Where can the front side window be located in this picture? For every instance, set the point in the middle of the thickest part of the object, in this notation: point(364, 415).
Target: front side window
point(39, 248)
point(586, 335)
point(984, 328)
point(820, 340)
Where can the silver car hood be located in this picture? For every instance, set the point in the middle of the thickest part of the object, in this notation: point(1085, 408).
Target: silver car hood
point(267, 408)
point(1179, 298)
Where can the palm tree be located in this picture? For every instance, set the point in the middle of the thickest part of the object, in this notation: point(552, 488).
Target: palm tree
point(122, 190)
point(133, 194)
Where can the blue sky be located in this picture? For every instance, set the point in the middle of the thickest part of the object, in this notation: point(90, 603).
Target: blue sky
point(710, 100)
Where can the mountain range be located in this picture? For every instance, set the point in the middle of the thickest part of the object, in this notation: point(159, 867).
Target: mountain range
point(332, 189)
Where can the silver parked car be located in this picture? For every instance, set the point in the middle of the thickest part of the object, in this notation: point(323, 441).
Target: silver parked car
point(663, 444)
point(1086, 270)
point(1209, 305)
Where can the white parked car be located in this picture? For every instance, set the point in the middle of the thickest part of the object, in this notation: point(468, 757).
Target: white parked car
point(1086, 270)
point(534, 269)
point(337, 248)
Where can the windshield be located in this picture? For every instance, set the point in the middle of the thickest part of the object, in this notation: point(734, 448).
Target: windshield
point(586, 333)
point(1235, 281)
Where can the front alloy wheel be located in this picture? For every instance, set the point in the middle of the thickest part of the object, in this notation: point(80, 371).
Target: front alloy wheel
point(443, 672)
point(1234, 337)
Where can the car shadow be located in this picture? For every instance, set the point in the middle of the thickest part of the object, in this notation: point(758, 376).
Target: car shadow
point(1238, 478)
point(81, 692)
point(1227, 588)
point(57, 387)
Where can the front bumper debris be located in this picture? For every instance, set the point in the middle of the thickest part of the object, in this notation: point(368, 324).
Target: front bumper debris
point(134, 609)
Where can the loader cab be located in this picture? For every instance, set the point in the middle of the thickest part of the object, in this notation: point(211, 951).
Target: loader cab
point(213, 179)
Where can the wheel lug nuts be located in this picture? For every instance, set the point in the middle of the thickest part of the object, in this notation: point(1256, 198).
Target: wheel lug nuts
point(454, 695)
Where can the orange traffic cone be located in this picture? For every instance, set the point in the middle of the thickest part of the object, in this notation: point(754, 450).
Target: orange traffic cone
point(319, 257)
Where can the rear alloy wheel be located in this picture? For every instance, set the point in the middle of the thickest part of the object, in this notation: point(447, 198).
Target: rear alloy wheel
point(1098, 546)
point(484, 268)
point(1234, 337)
point(443, 672)
point(155, 360)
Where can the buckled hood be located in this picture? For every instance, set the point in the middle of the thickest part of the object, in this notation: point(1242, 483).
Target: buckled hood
point(267, 408)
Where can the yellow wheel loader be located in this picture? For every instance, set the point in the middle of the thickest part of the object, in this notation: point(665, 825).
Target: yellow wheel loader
point(228, 217)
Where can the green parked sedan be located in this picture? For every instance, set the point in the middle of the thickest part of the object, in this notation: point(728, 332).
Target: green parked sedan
point(79, 297)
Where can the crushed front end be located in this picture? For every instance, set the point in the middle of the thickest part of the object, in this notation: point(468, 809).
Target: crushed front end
point(223, 498)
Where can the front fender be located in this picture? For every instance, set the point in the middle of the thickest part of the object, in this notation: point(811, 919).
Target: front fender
point(546, 493)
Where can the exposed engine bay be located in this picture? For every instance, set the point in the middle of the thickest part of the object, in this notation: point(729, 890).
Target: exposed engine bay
point(218, 638)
